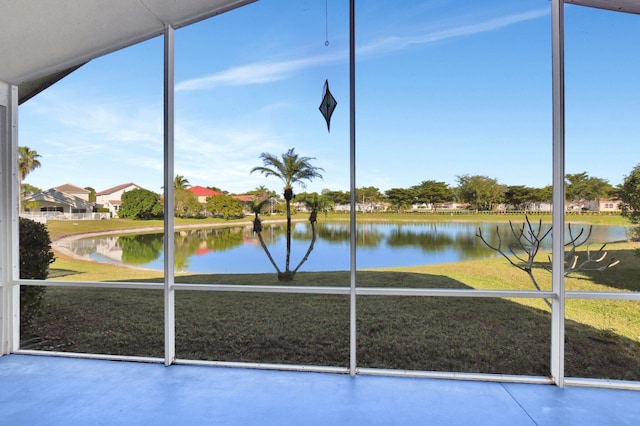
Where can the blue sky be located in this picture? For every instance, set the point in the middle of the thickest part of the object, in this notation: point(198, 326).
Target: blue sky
point(444, 88)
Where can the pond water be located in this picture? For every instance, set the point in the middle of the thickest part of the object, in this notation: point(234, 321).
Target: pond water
point(388, 244)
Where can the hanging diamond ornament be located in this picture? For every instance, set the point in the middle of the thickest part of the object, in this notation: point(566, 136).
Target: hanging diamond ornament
point(327, 105)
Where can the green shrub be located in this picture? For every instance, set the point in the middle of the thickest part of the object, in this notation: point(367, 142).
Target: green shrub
point(224, 206)
point(140, 204)
point(35, 258)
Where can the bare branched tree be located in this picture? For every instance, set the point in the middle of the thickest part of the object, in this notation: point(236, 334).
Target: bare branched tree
point(528, 240)
point(593, 262)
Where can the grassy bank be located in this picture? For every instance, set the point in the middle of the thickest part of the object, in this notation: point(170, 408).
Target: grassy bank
point(588, 218)
point(63, 228)
point(415, 333)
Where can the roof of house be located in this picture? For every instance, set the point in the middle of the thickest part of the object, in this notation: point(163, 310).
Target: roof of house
point(116, 188)
point(42, 39)
point(201, 191)
point(67, 187)
point(59, 197)
point(244, 198)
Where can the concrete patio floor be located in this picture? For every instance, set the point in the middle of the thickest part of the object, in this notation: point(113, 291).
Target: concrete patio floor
point(43, 390)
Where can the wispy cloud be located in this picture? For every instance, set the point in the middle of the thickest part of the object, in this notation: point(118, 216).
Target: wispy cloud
point(102, 143)
point(269, 71)
point(392, 44)
point(225, 164)
point(91, 140)
point(255, 73)
point(123, 121)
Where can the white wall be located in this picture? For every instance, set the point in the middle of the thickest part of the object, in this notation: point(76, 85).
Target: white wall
point(9, 301)
point(104, 200)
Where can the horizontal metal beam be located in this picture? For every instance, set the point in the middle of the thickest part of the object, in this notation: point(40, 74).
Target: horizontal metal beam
point(627, 6)
point(93, 284)
point(602, 295)
point(82, 355)
point(447, 375)
point(454, 292)
point(602, 383)
point(263, 289)
point(266, 366)
point(344, 291)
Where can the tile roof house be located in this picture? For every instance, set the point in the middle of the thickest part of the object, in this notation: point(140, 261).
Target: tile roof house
point(201, 193)
point(244, 198)
point(112, 198)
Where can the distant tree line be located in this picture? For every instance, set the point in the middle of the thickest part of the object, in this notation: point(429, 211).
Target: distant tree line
point(478, 191)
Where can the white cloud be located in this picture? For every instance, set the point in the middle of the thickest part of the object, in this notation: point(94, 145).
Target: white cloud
point(391, 44)
point(222, 157)
point(119, 122)
point(256, 73)
point(268, 71)
point(93, 141)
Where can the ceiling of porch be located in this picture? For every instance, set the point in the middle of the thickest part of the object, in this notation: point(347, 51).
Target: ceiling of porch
point(44, 40)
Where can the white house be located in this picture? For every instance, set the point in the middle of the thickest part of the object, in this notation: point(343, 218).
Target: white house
point(55, 201)
point(112, 198)
point(604, 205)
point(76, 191)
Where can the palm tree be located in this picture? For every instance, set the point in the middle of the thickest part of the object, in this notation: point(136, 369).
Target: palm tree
point(180, 182)
point(290, 169)
point(183, 199)
point(261, 191)
point(27, 162)
point(318, 203)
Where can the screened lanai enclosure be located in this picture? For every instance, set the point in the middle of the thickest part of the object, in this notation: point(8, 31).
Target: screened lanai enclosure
point(380, 96)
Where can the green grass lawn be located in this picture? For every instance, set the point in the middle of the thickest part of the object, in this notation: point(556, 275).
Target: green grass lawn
point(415, 333)
point(62, 228)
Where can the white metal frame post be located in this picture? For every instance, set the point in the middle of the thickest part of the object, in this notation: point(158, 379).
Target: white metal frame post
point(9, 293)
point(5, 230)
point(352, 200)
point(169, 243)
point(558, 305)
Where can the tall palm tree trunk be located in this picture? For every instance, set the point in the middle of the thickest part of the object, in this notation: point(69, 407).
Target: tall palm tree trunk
point(257, 228)
point(266, 250)
point(313, 241)
point(290, 169)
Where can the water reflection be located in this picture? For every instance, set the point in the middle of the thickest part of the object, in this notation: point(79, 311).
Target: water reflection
point(237, 250)
point(137, 249)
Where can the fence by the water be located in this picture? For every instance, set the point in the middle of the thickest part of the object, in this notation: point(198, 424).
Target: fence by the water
point(42, 217)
